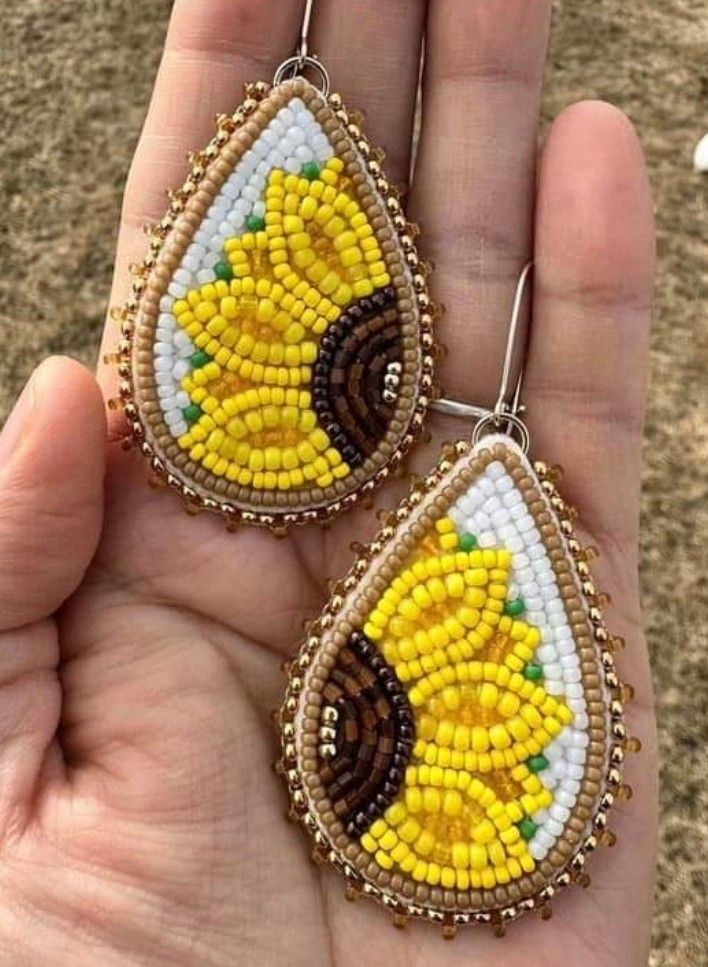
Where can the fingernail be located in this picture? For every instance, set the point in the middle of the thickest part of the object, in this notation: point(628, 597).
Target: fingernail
point(17, 421)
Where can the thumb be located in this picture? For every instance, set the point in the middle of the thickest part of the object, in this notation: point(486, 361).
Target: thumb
point(51, 480)
point(51, 490)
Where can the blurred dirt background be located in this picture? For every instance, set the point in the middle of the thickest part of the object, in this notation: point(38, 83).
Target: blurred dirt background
point(75, 78)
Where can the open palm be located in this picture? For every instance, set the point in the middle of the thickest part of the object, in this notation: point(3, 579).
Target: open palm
point(141, 822)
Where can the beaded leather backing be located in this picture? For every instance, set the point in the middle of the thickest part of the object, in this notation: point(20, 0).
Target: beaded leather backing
point(452, 729)
point(277, 360)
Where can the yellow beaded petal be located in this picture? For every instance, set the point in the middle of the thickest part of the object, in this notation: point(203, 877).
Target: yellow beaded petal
point(262, 330)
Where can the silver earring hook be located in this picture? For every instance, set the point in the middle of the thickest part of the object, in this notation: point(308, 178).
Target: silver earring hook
point(505, 415)
point(502, 406)
point(302, 59)
point(304, 31)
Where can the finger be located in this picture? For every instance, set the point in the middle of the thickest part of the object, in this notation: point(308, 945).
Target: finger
point(213, 47)
point(474, 181)
point(372, 52)
point(51, 487)
point(585, 389)
point(588, 360)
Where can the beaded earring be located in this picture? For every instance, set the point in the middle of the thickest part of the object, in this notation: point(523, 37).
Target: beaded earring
point(277, 354)
point(452, 731)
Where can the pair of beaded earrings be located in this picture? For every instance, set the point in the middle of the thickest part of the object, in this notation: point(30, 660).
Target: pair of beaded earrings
point(452, 731)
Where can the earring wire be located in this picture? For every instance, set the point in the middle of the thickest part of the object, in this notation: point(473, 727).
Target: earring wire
point(505, 411)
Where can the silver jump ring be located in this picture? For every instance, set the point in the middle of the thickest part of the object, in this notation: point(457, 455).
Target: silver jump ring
point(295, 65)
point(507, 423)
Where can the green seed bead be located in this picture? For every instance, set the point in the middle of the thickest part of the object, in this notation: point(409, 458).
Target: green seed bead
point(192, 413)
point(537, 763)
point(533, 672)
point(527, 828)
point(254, 223)
point(310, 170)
point(468, 542)
point(224, 271)
point(515, 607)
point(200, 358)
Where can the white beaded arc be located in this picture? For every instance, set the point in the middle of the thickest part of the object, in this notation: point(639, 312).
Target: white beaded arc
point(493, 509)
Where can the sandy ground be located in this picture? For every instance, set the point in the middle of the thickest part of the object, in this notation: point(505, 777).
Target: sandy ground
point(75, 77)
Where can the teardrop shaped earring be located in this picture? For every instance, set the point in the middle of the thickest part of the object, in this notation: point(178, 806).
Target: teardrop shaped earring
point(276, 360)
point(453, 729)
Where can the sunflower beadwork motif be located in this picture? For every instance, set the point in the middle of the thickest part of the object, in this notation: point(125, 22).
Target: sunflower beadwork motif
point(279, 360)
point(255, 404)
point(467, 813)
point(448, 731)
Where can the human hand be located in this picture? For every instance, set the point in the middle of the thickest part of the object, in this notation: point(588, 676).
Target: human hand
point(140, 820)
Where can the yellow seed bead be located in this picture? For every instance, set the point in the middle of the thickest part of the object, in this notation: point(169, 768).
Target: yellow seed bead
point(445, 732)
point(455, 585)
point(480, 738)
point(400, 852)
point(451, 697)
point(384, 860)
point(318, 438)
point(292, 224)
point(447, 541)
point(378, 828)
point(297, 478)
point(564, 714)
point(369, 843)
point(447, 878)
point(308, 207)
point(462, 738)
point(452, 803)
point(475, 597)
point(460, 855)
point(345, 240)
point(499, 737)
point(205, 310)
point(488, 878)
point(463, 879)
point(509, 835)
point(468, 617)
point(484, 832)
point(409, 830)
point(488, 695)
point(388, 840)
point(414, 799)
point(216, 439)
point(514, 868)
point(531, 716)
point(497, 855)
point(421, 597)
point(436, 590)
point(476, 577)
point(477, 857)
point(425, 843)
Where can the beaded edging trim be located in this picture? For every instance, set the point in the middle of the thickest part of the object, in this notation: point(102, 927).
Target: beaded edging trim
point(297, 424)
point(537, 770)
